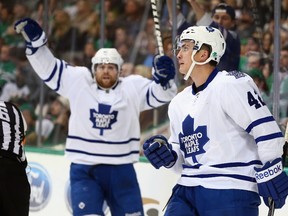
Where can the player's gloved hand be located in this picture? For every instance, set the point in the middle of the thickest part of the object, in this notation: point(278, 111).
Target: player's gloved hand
point(163, 70)
point(159, 152)
point(33, 34)
point(272, 182)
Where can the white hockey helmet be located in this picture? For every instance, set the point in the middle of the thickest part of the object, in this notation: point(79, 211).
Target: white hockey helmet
point(107, 56)
point(206, 35)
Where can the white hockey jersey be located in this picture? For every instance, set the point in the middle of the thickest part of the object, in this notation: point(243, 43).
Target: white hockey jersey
point(221, 131)
point(104, 125)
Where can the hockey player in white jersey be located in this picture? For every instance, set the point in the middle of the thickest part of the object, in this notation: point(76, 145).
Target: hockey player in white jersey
point(104, 129)
point(224, 141)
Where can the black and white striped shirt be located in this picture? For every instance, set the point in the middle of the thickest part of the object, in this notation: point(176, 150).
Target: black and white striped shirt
point(12, 131)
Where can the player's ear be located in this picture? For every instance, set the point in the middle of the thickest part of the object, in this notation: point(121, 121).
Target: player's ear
point(204, 54)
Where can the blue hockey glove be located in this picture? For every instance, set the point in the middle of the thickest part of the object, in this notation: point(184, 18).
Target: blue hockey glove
point(159, 152)
point(163, 70)
point(272, 182)
point(33, 34)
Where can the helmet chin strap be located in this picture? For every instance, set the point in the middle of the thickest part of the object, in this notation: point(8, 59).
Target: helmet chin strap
point(189, 71)
point(194, 63)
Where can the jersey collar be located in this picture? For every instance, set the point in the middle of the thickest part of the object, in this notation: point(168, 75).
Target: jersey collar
point(195, 89)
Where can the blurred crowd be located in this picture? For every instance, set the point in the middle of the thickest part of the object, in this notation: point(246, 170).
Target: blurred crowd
point(74, 34)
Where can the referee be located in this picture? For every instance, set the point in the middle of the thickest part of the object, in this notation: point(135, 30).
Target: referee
point(14, 185)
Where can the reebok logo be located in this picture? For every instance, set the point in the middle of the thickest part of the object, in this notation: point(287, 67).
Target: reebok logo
point(269, 173)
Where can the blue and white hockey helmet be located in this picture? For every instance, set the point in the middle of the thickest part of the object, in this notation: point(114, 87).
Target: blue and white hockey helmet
point(205, 35)
point(107, 56)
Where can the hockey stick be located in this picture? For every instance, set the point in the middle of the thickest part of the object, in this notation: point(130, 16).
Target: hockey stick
point(157, 30)
point(157, 27)
point(285, 148)
point(271, 207)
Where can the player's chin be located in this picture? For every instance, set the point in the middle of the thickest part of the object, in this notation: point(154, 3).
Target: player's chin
point(182, 70)
point(107, 83)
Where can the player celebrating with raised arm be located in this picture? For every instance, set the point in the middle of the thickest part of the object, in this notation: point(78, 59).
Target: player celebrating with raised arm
point(224, 140)
point(104, 129)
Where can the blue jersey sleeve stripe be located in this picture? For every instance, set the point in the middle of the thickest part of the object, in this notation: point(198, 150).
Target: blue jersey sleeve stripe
point(268, 137)
point(52, 74)
point(240, 177)
point(148, 99)
point(101, 155)
point(226, 165)
point(238, 164)
point(55, 69)
point(101, 141)
point(160, 101)
point(258, 122)
point(196, 166)
point(59, 77)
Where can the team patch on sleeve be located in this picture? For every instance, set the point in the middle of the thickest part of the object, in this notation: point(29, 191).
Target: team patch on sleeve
point(236, 74)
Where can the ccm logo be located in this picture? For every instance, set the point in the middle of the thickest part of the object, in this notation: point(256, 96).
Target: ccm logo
point(269, 173)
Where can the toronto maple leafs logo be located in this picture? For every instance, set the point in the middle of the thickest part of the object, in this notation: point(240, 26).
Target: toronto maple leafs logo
point(210, 29)
point(103, 119)
point(192, 140)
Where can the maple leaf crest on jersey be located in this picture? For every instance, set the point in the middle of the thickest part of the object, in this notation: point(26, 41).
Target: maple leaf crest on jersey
point(103, 119)
point(192, 141)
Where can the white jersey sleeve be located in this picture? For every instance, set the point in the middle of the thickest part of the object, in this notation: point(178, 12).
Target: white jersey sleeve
point(251, 113)
point(150, 94)
point(58, 74)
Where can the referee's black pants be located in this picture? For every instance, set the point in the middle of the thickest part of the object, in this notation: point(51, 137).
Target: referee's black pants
point(14, 188)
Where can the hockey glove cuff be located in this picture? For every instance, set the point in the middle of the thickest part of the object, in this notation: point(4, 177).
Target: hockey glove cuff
point(272, 182)
point(163, 70)
point(159, 152)
point(33, 34)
